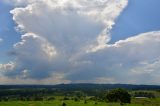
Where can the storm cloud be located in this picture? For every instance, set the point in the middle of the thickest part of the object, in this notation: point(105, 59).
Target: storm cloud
point(67, 42)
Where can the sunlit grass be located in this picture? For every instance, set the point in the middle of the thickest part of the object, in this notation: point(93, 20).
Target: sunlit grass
point(153, 102)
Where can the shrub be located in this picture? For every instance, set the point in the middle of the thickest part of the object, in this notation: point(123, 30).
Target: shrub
point(76, 99)
point(65, 98)
point(119, 95)
point(64, 104)
point(85, 101)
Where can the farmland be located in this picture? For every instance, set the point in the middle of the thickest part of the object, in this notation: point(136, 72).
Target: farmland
point(78, 95)
point(144, 102)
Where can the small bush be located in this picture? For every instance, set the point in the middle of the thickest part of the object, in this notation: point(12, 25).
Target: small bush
point(96, 103)
point(65, 98)
point(76, 99)
point(64, 104)
point(85, 101)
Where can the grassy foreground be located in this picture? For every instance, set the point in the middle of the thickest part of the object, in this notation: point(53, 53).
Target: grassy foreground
point(78, 103)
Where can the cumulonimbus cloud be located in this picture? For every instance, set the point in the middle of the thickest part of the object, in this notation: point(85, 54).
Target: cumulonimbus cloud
point(69, 38)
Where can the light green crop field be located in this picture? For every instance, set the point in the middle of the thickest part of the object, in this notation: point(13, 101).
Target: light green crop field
point(155, 102)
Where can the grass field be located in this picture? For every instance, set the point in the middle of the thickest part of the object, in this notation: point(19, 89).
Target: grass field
point(58, 100)
point(57, 103)
point(135, 102)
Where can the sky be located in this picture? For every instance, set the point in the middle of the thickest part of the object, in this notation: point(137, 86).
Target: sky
point(79, 41)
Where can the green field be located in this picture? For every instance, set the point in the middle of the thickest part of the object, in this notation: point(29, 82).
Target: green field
point(135, 102)
point(72, 96)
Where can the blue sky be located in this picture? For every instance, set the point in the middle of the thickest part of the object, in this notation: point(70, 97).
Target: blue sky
point(140, 16)
point(79, 41)
point(7, 31)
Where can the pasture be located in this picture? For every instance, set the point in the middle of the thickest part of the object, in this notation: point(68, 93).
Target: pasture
point(135, 102)
point(80, 95)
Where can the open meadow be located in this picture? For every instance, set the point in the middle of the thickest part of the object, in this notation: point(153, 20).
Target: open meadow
point(80, 95)
point(135, 102)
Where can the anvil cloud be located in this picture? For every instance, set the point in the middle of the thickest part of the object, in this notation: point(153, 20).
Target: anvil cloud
point(66, 41)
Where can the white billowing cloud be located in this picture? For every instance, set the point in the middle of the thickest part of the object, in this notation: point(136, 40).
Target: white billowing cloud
point(70, 22)
point(34, 55)
point(133, 60)
point(7, 67)
point(57, 31)
point(34, 44)
point(66, 41)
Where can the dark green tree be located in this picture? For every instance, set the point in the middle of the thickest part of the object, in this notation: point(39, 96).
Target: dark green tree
point(118, 95)
point(64, 104)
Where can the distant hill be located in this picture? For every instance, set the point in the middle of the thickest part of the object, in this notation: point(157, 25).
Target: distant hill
point(83, 86)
